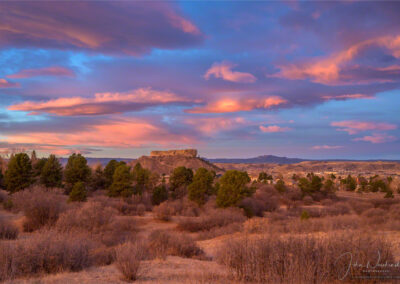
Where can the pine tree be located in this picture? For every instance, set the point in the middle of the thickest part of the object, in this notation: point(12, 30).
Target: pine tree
point(76, 170)
point(233, 188)
point(78, 192)
point(201, 187)
point(109, 171)
point(122, 182)
point(51, 174)
point(19, 173)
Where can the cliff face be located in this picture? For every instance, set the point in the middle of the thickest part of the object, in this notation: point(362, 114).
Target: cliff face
point(186, 153)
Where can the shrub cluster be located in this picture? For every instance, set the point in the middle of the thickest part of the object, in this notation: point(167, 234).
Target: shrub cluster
point(47, 252)
point(304, 259)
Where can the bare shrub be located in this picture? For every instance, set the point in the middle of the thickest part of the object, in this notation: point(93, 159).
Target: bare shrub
point(91, 217)
point(281, 260)
point(47, 252)
point(212, 219)
point(41, 206)
point(163, 212)
point(262, 200)
point(129, 257)
point(163, 243)
point(178, 207)
point(101, 223)
point(8, 230)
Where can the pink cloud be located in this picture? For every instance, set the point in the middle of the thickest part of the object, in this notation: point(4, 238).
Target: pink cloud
point(376, 138)
point(119, 132)
point(101, 103)
point(47, 71)
point(7, 84)
point(326, 147)
point(235, 105)
point(347, 97)
point(273, 129)
point(224, 71)
point(327, 70)
point(354, 127)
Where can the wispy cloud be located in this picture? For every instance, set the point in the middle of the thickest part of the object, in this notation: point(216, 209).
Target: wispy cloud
point(377, 138)
point(354, 127)
point(326, 147)
point(273, 129)
point(131, 27)
point(101, 103)
point(46, 71)
point(7, 84)
point(328, 70)
point(224, 71)
point(347, 97)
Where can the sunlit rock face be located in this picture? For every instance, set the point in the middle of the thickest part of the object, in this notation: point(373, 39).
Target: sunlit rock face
point(187, 153)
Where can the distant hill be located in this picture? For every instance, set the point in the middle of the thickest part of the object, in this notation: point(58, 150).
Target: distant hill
point(265, 159)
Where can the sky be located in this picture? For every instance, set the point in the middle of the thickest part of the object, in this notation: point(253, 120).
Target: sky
point(236, 79)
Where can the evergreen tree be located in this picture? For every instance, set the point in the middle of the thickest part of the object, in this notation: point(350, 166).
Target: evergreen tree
point(180, 178)
point(109, 171)
point(122, 182)
point(38, 166)
point(202, 186)
point(19, 173)
point(51, 174)
point(142, 178)
point(76, 170)
point(160, 193)
point(97, 179)
point(78, 192)
point(233, 188)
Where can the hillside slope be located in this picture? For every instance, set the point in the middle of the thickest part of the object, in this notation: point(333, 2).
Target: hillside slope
point(166, 164)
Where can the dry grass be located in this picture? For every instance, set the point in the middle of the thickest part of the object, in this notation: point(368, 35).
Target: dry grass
point(163, 243)
point(129, 257)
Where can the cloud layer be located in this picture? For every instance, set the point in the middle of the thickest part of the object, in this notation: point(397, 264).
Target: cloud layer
point(130, 28)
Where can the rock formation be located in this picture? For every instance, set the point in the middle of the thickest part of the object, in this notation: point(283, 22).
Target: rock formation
point(187, 153)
